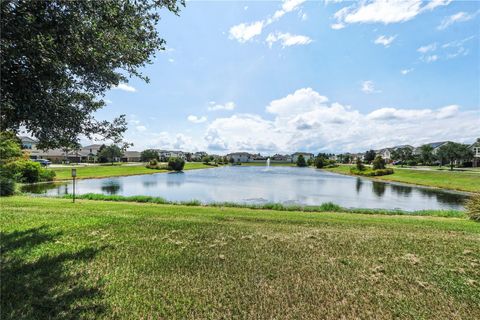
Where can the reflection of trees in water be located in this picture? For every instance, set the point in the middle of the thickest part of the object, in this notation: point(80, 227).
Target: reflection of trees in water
point(111, 187)
point(401, 190)
point(444, 197)
point(175, 178)
point(149, 183)
point(378, 188)
point(358, 185)
point(42, 188)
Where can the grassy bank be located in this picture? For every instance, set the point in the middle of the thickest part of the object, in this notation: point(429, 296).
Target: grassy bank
point(88, 172)
point(325, 207)
point(114, 260)
point(454, 180)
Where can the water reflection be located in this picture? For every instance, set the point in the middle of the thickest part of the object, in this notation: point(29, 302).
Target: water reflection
point(253, 184)
point(175, 179)
point(401, 190)
point(111, 187)
point(358, 185)
point(378, 188)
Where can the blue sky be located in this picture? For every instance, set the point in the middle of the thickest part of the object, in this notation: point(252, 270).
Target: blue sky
point(319, 76)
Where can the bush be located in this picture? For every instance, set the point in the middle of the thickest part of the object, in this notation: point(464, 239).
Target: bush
point(7, 186)
point(176, 164)
point(301, 161)
point(360, 166)
point(370, 172)
point(153, 162)
point(26, 171)
point(473, 207)
point(412, 162)
point(378, 163)
point(319, 162)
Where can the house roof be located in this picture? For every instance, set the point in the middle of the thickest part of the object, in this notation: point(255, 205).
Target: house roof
point(435, 145)
point(239, 154)
point(27, 139)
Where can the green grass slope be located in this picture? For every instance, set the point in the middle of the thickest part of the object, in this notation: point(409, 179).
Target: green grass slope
point(115, 260)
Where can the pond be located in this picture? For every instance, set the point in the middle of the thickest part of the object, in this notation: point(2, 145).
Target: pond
point(256, 185)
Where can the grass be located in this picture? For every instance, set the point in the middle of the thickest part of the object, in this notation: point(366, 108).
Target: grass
point(87, 172)
point(454, 180)
point(324, 207)
point(116, 260)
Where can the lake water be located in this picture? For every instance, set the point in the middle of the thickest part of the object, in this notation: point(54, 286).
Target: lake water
point(287, 185)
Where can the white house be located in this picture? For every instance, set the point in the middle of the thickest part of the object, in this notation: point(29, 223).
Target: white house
point(240, 157)
point(476, 153)
point(305, 155)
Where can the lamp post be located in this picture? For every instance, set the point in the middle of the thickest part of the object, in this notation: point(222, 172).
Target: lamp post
point(74, 175)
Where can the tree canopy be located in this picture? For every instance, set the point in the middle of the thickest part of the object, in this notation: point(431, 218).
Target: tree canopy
point(301, 161)
point(58, 58)
point(454, 152)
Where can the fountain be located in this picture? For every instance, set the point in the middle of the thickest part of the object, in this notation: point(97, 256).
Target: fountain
point(268, 162)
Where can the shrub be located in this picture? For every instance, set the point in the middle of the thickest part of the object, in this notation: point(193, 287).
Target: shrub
point(175, 163)
point(378, 163)
point(301, 161)
point(319, 162)
point(412, 162)
point(360, 166)
point(473, 207)
point(370, 172)
point(153, 162)
point(47, 175)
point(7, 186)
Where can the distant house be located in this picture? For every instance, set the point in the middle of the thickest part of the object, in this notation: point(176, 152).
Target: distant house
point(476, 153)
point(197, 156)
point(305, 155)
point(240, 156)
point(281, 158)
point(435, 146)
point(131, 156)
point(385, 153)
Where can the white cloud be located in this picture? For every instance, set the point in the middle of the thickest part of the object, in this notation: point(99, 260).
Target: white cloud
point(300, 101)
point(141, 128)
point(305, 120)
point(369, 87)
point(385, 11)
point(427, 48)
point(171, 60)
point(431, 58)
point(406, 71)
point(457, 17)
point(337, 26)
point(195, 119)
point(125, 87)
point(384, 40)
point(412, 114)
point(287, 39)
point(244, 32)
point(213, 106)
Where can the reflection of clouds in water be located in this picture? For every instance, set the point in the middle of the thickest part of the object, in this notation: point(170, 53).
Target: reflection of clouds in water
point(175, 179)
point(251, 184)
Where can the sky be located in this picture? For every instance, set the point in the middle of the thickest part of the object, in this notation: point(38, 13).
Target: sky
point(315, 76)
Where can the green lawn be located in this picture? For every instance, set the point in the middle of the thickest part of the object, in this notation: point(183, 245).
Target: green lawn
point(115, 260)
point(85, 172)
point(455, 180)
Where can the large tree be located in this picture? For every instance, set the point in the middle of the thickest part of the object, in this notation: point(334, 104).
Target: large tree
point(58, 58)
point(426, 154)
point(453, 152)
